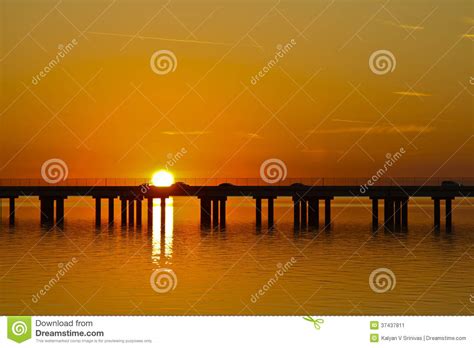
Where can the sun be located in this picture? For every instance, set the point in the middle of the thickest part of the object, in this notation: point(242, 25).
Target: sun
point(162, 178)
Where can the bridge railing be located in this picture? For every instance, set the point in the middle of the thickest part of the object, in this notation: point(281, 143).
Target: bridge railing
point(335, 181)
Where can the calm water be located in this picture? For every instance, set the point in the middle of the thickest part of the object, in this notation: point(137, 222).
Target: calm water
point(219, 271)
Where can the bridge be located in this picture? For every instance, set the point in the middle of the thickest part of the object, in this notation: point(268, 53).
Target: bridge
point(306, 194)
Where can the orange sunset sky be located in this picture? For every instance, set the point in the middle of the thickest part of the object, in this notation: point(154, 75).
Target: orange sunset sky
point(320, 109)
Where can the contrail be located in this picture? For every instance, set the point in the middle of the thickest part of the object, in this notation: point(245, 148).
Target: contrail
point(167, 39)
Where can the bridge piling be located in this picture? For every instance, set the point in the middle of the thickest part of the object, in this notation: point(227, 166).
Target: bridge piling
point(375, 213)
point(449, 214)
point(131, 212)
point(150, 211)
point(215, 212)
point(296, 212)
point(304, 213)
point(271, 218)
point(436, 214)
point(111, 211)
point(163, 213)
point(46, 210)
point(405, 213)
point(222, 212)
point(60, 211)
point(258, 212)
point(398, 212)
point(98, 209)
point(388, 213)
point(139, 211)
point(327, 213)
point(11, 218)
point(123, 211)
point(205, 212)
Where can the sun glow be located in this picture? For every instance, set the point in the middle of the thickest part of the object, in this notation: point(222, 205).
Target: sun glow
point(162, 178)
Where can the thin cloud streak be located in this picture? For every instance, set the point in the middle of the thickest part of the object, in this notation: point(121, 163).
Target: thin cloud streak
point(377, 130)
point(185, 133)
point(413, 94)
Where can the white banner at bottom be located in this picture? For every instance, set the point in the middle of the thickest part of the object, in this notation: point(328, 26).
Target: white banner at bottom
point(237, 331)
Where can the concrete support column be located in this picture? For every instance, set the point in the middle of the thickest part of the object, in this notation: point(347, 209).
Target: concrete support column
point(46, 210)
point(163, 213)
point(223, 212)
point(98, 209)
point(60, 211)
point(258, 212)
point(271, 222)
point(405, 213)
point(139, 212)
point(131, 212)
point(375, 213)
point(215, 212)
point(11, 219)
point(398, 212)
point(150, 212)
point(205, 212)
point(449, 214)
point(437, 214)
point(311, 212)
point(388, 213)
point(327, 213)
point(304, 213)
point(296, 213)
point(111, 211)
point(123, 211)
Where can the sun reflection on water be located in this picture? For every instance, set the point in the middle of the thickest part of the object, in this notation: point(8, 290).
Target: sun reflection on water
point(162, 241)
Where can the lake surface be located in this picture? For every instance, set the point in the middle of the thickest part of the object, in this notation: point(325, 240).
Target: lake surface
point(239, 270)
